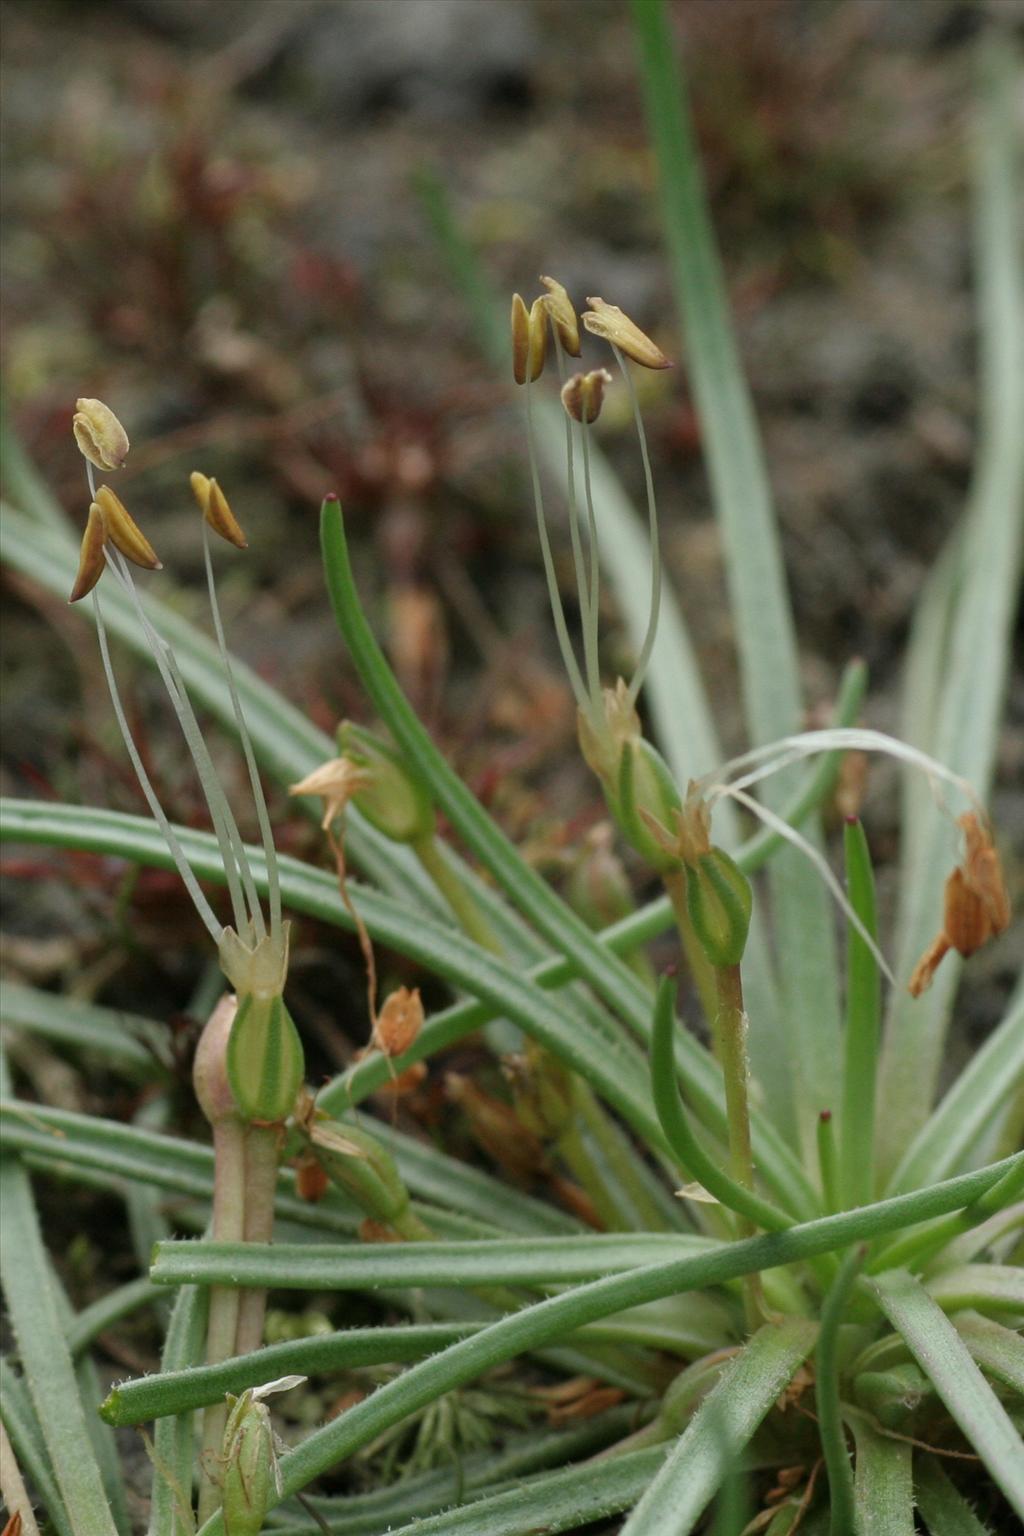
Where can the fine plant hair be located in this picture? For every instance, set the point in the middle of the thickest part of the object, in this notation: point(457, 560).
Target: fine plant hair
point(771, 1283)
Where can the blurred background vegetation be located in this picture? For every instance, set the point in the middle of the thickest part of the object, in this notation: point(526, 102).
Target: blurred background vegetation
point(212, 223)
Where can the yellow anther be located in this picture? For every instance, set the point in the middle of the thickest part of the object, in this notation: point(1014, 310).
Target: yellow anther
point(99, 434)
point(609, 323)
point(123, 531)
point(214, 506)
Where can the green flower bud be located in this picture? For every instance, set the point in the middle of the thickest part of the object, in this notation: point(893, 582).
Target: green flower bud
point(393, 801)
point(646, 794)
point(265, 1059)
point(265, 1062)
point(360, 1165)
point(598, 888)
point(893, 1396)
point(251, 1478)
point(719, 898)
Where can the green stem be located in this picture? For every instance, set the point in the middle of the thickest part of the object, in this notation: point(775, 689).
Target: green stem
point(468, 915)
point(731, 1030)
point(701, 970)
point(729, 1191)
point(261, 1152)
point(863, 1015)
point(228, 1225)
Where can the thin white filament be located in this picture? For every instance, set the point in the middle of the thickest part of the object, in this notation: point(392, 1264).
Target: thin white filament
point(220, 812)
point(789, 749)
point(199, 901)
point(595, 559)
point(652, 524)
point(588, 619)
point(259, 800)
point(238, 849)
point(783, 828)
point(554, 596)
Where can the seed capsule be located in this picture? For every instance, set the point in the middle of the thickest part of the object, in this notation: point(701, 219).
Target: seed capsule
point(99, 434)
point(562, 316)
point(399, 1021)
point(124, 532)
point(214, 506)
point(583, 394)
point(976, 906)
point(609, 323)
point(92, 559)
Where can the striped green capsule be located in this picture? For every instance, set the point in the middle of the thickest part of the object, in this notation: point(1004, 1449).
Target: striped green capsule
point(719, 899)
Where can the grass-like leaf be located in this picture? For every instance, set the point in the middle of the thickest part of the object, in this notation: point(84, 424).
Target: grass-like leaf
point(554, 1318)
point(945, 1510)
point(970, 670)
point(173, 1437)
point(367, 1266)
point(26, 1437)
point(987, 1287)
point(310, 890)
point(49, 1371)
point(713, 1441)
point(947, 1362)
point(127, 1041)
point(997, 1349)
point(742, 501)
point(883, 1482)
point(993, 1073)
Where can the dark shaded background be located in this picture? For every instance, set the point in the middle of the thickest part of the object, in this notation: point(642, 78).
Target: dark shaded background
point(211, 224)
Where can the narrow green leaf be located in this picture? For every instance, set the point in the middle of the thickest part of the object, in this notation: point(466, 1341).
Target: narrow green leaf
point(173, 1437)
point(998, 1350)
point(22, 1426)
point(830, 1423)
point(134, 1044)
point(286, 743)
point(742, 501)
point(945, 1510)
point(945, 1359)
point(863, 1013)
point(986, 1287)
point(883, 1485)
point(175, 1390)
point(367, 1266)
point(713, 1441)
point(563, 1314)
point(49, 1372)
point(973, 670)
point(989, 1078)
point(102, 1314)
point(557, 1501)
point(306, 889)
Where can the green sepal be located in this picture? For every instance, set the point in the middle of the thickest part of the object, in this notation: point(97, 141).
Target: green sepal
point(249, 1476)
point(645, 789)
point(895, 1395)
point(360, 1165)
point(719, 899)
point(394, 802)
point(265, 1058)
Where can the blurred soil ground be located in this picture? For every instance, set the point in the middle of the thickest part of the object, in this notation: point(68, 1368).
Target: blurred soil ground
point(211, 224)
